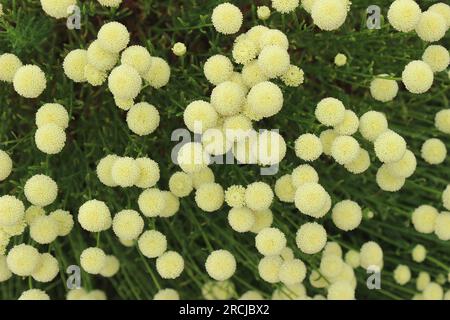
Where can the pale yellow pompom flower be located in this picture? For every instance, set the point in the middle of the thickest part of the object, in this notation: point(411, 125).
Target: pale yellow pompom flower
point(124, 82)
point(431, 26)
point(57, 8)
point(125, 171)
point(347, 215)
point(149, 173)
point(437, 57)
point(405, 167)
point(6, 165)
point(218, 69)
point(263, 219)
point(402, 274)
point(170, 265)
point(227, 18)
point(137, 57)
point(419, 253)
point(200, 116)
point(101, 59)
point(329, 14)
point(293, 77)
point(244, 49)
point(311, 238)
point(371, 255)
point(52, 113)
point(263, 12)
point(270, 241)
point(241, 219)
point(159, 73)
point(388, 182)
point(12, 210)
point(111, 267)
point(209, 197)
point(265, 99)
point(390, 147)
point(179, 49)
point(443, 9)
point(74, 65)
point(404, 15)
point(258, 196)
point(44, 230)
point(360, 164)
point(143, 118)
point(372, 124)
point(180, 184)
point(128, 224)
point(349, 125)
point(418, 77)
point(446, 197)
point(330, 111)
point(442, 226)
point(424, 218)
point(104, 170)
point(34, 294)
point(341, 290)
point(92, 260)
point(340, 60)
point(152, 202)
point(220, 265)
point(166, 294)
point(152, 243)
point(292, 272)
point(228, 98)
point(94, 216)
point(48, 269)
point(434, 151)
point(64, 222)
point(442, 121)
point(284, 188)
point(235, 196)
point(23, 260)
point(94, 76)
point(304, 174)
point(29, 81)
point(308, 147)
point(9, 64)
point(274, 61)
point(192, 157)
point(345, 149)
point(50, 138)
point(41, 190)
point(113, 37)
point(383, 89)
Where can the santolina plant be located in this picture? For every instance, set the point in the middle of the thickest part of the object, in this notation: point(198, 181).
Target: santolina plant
point(227, 151)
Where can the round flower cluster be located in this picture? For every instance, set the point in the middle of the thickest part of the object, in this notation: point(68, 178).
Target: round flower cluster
point(124, 81)
point(57, 8)
point(263, 12)
point(329, 15)
point(227, 18)
point(51, 120)
point(154, 202)
point(113, 171)
point(442, 121)
point(29, 80)
point(434, 151)
point(383, 89)
point(340, 60)
point(6, 165)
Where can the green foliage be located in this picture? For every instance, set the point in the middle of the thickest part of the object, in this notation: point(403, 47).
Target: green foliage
point(98, 128)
